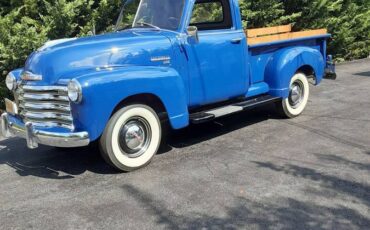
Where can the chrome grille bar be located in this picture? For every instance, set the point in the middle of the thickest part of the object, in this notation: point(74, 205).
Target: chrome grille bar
point(44, 88)
point(45, 106)
point(46, 115)
point(37, 106)
point(42, 97)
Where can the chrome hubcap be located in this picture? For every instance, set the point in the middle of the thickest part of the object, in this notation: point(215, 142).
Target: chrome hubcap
point(135, 136)
point(296, 94)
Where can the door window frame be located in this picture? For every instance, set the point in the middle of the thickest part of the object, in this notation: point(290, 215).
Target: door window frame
point(227, 22)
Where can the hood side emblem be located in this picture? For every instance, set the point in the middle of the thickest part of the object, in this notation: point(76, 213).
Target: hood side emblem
point(28, 76)
point(165, 59)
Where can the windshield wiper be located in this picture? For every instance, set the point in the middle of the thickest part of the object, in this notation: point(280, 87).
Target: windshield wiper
point(148, 24)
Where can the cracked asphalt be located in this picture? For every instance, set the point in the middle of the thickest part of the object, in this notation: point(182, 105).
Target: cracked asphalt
point(248, 171)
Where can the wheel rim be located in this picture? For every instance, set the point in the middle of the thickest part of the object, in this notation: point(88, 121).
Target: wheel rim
point(296, 94)
point(134, 137)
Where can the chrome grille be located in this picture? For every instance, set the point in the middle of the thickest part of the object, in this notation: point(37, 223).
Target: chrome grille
point(46, 106)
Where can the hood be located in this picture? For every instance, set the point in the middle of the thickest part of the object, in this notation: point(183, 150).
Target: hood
point(70, 58)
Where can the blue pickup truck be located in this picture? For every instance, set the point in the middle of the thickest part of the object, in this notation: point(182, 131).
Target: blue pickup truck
point(181, 62)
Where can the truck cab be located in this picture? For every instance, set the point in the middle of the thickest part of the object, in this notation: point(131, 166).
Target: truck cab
point(181, 61)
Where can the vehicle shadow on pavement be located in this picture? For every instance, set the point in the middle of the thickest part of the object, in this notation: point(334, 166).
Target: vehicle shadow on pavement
point(54, 163)
point(195, 134)
point(51, 163)
point(280, 213)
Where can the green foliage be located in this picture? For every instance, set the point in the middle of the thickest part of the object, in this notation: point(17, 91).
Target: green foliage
point(256, 14)
point(207, 12)
point(347, 20)
point(25, 25)
point(19, 36)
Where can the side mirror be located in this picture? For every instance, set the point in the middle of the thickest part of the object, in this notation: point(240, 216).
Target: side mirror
point(193, 35)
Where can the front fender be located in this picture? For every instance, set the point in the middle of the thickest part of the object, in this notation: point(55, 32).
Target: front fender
point(284, 64)
point(17, 73)
point(104, 90)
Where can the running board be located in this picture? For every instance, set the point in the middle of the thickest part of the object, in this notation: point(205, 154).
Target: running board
point(208, 115)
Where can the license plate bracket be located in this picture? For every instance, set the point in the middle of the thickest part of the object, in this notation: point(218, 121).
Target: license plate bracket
point(11, 107)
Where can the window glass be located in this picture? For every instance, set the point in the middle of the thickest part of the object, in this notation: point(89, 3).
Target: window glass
point(211, 14)
point(208, 12)
point(165, 14)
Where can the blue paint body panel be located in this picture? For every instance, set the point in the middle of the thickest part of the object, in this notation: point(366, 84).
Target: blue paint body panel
point(258, 89)
point(166, 64)
point(106, 89)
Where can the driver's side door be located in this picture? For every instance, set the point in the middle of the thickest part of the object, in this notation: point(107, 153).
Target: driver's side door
point(219, 57)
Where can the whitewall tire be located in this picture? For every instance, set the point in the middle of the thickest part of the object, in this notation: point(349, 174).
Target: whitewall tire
point(131, 138)
point(299, 93)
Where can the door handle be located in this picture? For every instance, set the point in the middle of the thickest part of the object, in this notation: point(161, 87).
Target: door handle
point(236, 40)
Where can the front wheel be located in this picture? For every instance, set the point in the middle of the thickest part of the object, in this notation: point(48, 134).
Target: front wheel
point(296, 102)
point(131, 138)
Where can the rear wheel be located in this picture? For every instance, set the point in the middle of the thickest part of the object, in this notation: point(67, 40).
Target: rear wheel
point(131, 138)
point(297, 100)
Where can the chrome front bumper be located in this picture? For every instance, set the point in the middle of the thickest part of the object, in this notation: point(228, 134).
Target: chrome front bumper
point(34, 137)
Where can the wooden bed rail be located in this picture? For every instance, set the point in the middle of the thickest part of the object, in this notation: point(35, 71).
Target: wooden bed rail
point(252, 33)
point(278, 33)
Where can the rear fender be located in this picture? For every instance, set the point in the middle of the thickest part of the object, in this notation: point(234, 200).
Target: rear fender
point(104, 90)
point(286, 62)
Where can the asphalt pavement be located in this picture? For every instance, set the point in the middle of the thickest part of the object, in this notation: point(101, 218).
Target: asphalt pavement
point(252, 170)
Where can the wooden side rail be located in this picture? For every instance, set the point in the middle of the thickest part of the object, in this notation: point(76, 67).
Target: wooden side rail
point(278, 33)
point(252, 33)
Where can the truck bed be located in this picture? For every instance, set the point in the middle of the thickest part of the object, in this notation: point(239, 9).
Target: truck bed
point(264, 42)
point(279, 33)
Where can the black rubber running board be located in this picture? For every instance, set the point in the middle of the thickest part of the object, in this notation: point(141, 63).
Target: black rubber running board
point(208, 115)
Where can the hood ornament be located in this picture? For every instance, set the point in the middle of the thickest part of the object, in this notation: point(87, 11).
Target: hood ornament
point(28, 76)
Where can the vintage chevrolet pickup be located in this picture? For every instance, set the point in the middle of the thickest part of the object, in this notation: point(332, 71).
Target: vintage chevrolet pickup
point(181, 62)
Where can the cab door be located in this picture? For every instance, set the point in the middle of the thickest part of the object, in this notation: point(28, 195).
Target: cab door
point(217, 62)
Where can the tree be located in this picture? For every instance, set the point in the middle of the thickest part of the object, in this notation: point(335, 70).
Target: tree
point(347, 20)
point(261, 13)
point(25, 25)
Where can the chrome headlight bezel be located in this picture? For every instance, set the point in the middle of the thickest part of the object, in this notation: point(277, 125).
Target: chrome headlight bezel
point(11, 82)
point(74, 91)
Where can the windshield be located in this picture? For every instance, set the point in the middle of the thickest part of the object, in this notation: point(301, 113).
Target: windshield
point(164, 14)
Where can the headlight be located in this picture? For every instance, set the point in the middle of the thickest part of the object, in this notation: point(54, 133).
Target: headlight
point(11, 82)
point(74, 91)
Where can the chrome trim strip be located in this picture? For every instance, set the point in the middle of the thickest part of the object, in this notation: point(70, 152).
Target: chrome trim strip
point(45, 106)
point(161, 58)
point(43, 96)
point(47, 115)
point(49, 124)
point(34, 136)
point(45, 88)
point(28, 76)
